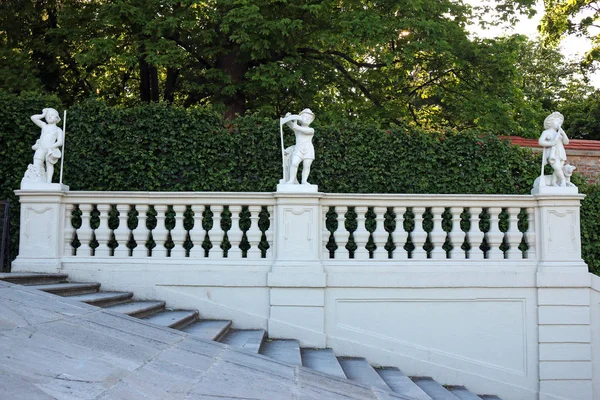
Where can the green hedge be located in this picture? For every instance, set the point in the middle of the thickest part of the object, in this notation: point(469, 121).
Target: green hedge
point(162, 148)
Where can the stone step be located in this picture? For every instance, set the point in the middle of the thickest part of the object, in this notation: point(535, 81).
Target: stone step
point(359, 370)
point(138, 309)
point(103, 299)
point(489, 397)
point(176, 319)
point(463, 393)
point(284, 350)
point(208, 329)
point(249, 340)
point(30, 278)
point(434, 389)
point(68, 289)
point(322, 360)
point(401, 384)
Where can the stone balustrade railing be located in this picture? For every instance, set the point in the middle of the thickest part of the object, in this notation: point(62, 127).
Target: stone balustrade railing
point(291, 227)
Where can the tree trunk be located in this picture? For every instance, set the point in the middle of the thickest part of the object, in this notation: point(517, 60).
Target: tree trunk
point(145, 95)
point(236, 71)
point(172, 74)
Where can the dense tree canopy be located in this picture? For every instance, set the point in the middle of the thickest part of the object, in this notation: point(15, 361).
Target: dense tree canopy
point(409, 62)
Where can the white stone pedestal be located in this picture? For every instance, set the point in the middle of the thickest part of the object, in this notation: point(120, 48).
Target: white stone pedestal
point(42, 224)
point(297, 280)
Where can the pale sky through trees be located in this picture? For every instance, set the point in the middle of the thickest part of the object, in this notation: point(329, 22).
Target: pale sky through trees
point(572, 47)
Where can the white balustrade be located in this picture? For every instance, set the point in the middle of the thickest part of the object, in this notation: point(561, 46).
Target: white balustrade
point(340, 203)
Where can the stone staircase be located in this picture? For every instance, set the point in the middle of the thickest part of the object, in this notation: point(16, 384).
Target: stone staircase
point(255, 341)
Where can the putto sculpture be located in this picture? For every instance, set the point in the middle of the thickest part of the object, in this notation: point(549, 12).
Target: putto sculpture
point(303, 151)
point(47, 147)
point(553, 139)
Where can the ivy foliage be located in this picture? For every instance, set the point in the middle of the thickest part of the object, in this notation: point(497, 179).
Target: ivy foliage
point(156, 147)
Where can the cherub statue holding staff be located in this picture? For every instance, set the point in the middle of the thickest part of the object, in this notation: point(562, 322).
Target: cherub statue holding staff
point(303, 151)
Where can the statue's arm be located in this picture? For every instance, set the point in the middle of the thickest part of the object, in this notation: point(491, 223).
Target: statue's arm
point(564, 137)
point(59, 138)
point(37, 119)
point(546, 140)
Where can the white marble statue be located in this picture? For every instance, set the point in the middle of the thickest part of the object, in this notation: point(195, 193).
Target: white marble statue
point(553, 139)
point(303, 151)
point(47, 147)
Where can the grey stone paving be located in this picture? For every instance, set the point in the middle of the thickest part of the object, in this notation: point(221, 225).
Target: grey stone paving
point(58, 348)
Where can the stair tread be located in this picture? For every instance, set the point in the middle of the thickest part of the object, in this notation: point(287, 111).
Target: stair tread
point(66, 286)
point(359, 370)
point(434, 389)
point(25, 275)
point(284, 350)
point(136, 307)
point(249, 340)
point(98, 296)
point(489, 397)
point(322, 360)
point(208, 329)
point(401, 384)
point(463, 393)
point(172, 319)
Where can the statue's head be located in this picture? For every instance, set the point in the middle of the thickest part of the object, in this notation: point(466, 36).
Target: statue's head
point(554, 120)
point(307, 116)
point(52, 116)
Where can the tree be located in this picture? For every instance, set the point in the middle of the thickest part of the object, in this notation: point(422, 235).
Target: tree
point(580, 17)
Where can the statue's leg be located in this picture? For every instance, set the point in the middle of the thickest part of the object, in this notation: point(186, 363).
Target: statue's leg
point(559, 174)
point(306, 171)
point(294, 169)
point(49, 172)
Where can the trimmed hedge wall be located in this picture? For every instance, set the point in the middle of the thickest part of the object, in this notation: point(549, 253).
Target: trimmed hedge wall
point(157, 147)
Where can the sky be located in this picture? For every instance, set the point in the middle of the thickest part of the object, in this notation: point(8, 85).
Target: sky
point(572, 47)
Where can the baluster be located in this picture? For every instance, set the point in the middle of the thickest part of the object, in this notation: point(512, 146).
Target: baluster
point(513, 235)
point(235, 233)
point(216, 233)
point(178, 232)
point(341, 234)
point(141, 232)
point(361, 234)
point(324, 234)
point(457, 236)
point(160, 233)
point(197, 233)
point(437, 234)
point(531, 234)
point(69, 232)
point(86, 232)
point(475, 235)
point(103, 231)
point(254, 233)
point(380, 235)
point(400, 235)
point(419, 235)
point(122, 232)
point(495, 235)
point(269, 233)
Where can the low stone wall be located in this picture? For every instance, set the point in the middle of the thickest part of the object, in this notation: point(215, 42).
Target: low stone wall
point(338, 270)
